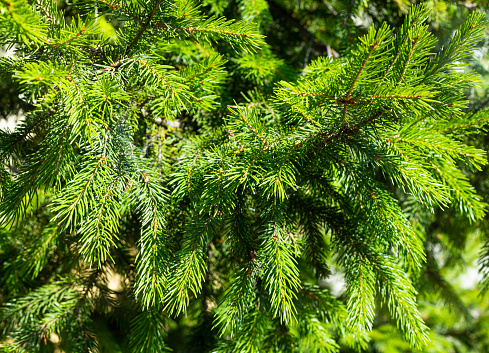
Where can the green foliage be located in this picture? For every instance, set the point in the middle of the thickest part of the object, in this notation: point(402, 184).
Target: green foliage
point(183, 157)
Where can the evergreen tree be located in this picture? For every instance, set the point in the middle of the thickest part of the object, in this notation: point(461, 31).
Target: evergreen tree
point(219, 184)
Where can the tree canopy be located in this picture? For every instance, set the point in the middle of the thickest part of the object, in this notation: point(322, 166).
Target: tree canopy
point(219, 174)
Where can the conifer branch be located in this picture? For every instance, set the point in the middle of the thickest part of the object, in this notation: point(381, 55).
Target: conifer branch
point(373, 47)
point(46, 13)
point(143, 28)
point(115, 6)
point(252, 129)
point(248, 199)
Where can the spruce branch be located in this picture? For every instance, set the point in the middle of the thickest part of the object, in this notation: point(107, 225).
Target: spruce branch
point(143, 28)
